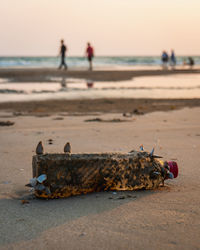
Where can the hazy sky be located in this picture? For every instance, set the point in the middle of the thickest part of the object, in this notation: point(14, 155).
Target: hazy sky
point(114, 27)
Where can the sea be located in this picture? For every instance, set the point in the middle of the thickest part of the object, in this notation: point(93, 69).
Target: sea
point(99, 61)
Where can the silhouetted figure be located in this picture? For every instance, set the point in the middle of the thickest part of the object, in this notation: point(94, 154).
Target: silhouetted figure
point(63, 50)
point(191, 62)
point(165, 59)
point(173, 58)
point(90, 55)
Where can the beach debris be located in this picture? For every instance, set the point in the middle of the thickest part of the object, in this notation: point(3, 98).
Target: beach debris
point(171, 176)
point(151, 154)
point(108, 120)
point(94, 120)
point(58, 118)
point(25, 202)
point(127, 114)
point(155, 174)
point(152, 151)
point(50, 141)
point(38, 184)
point(11, 91)
point(131, 196)
point(137, 112)
point(17, 113)
point(42, 178)
point(121, 197)
point(7, 123)
point(39, 149)
point(39, 133)
point(58, 176)
point(173, 168)
point(39, 187)
point(142, 147)
point(67, 148)
point(82, 234)
point(33, 182)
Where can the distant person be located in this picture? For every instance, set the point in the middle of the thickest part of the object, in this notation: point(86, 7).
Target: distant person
point(184, 62)
point(173, 59)
point(165, 59)
point(62, 53)
point(90, 55)
point(190, 62)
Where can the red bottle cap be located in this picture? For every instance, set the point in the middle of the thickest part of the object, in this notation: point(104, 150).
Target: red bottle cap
point(173, 168)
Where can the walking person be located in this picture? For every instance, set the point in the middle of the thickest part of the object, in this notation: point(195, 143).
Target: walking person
point(90, 55)
point(62, 53)
point(165, 59)
point(191, 62)
point(173, 59)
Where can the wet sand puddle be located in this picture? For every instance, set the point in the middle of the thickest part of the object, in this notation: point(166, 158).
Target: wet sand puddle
point(178, 86)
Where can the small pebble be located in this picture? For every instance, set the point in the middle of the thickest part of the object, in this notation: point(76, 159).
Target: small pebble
point(121, 197)
point(25, 202)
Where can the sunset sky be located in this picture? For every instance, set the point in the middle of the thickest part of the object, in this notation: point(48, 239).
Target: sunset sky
point(114, 27)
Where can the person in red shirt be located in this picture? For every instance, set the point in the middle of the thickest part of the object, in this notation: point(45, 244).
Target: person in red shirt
point(90, 55)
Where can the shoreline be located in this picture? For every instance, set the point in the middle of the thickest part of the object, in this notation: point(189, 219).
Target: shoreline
point(86, 106)
point(45, 74)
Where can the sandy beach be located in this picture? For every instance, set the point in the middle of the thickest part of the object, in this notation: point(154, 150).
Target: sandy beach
point(167, 218)
point(111, 89)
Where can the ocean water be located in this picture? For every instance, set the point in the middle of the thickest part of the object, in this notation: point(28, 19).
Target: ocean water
point(101, 62)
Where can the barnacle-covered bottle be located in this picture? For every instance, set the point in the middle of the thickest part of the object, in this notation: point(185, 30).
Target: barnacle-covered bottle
point(73, 174)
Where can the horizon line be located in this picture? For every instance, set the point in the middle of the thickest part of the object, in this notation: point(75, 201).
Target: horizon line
point(177, 55)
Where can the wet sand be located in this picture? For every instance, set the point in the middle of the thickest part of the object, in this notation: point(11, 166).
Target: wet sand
point(81, 107)
point(45, 74)
point(167, 218)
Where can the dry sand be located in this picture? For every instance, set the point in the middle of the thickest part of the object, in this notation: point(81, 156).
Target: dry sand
point(167, 218)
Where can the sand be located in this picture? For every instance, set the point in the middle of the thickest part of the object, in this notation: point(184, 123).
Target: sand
point(167, 218)
point(96, 106)
point(49, 74)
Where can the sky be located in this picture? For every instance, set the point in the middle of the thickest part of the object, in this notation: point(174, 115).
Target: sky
point(114, 27)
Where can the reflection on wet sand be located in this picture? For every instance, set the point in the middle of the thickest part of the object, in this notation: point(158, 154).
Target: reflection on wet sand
point(63, 82)
point(179, 86)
